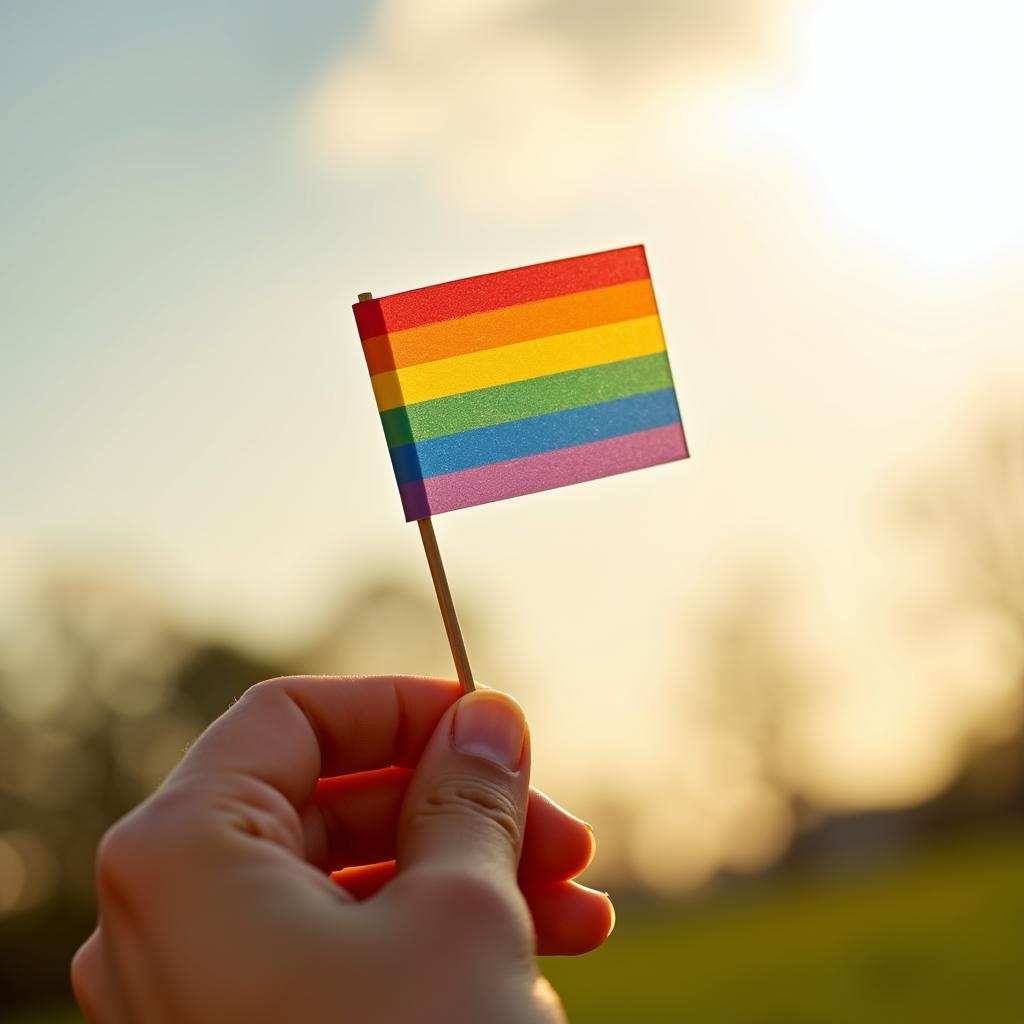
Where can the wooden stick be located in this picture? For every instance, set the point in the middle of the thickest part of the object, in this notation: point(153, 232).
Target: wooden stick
point(444, 594)
point(444, 599)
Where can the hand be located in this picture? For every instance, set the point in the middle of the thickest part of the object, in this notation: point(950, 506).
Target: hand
point(217, 901)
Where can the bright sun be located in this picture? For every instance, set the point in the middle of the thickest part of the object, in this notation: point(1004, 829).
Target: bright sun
point(909, 112)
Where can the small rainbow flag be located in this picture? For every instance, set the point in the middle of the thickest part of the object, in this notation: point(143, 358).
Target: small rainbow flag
point(520, 381)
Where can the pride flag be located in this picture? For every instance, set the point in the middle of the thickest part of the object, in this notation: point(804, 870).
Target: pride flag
point(520, 381)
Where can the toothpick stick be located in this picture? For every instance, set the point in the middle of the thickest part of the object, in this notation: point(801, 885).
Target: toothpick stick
point(444, 594)
point(444, 599)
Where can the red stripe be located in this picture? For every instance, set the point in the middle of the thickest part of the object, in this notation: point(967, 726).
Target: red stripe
point(495, 291)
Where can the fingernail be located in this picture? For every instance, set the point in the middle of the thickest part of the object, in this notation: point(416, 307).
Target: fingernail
point(593, 844)
point(491, 726)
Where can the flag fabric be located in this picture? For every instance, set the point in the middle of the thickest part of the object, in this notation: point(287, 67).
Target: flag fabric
point(520, 381)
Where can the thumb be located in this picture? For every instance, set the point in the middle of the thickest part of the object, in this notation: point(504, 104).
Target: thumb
point(466, 803)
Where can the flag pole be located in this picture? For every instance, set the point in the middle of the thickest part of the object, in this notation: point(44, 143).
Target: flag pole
point(441, 588)
point(444, 599)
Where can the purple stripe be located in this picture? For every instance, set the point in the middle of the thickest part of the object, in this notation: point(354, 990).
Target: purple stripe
point(422, 498)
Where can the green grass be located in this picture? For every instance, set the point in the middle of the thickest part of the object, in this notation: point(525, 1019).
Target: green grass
point(936, 940)
point(44, 1013)
point(939, 939)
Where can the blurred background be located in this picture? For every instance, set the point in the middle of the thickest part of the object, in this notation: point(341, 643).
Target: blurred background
point(784, 680)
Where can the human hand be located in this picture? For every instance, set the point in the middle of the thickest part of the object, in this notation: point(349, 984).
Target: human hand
point(216, 902)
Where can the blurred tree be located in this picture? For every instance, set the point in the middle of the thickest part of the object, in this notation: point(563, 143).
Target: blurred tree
point(751, 676)
point(976, 515)
point(381, 626)
point(735, 777)
point(99, 695)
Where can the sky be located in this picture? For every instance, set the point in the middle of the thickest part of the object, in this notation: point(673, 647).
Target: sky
point(192, 196)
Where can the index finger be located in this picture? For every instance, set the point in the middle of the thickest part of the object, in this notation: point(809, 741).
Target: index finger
point(291, 731)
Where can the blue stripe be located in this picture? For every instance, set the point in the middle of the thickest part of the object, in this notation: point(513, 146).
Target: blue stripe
point(534, 435)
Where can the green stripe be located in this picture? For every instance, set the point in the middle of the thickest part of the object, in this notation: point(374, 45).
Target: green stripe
point(488, 407)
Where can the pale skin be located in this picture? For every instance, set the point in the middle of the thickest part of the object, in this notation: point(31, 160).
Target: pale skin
point(217, 899)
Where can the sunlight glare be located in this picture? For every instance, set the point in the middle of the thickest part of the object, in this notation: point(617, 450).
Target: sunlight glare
point(908, 114)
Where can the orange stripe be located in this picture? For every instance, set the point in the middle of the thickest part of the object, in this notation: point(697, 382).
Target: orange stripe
point(509, 326)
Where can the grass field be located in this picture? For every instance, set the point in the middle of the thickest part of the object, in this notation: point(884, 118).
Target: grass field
point(938, 939)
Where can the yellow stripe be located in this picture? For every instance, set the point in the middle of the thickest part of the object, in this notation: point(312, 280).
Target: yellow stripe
point(522, 361)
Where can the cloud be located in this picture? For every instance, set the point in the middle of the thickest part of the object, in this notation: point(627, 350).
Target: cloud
point(513, 104)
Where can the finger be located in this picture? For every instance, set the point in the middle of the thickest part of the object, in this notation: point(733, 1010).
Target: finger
point(352, 820)
point(466, 804)
point(289, 732)
point(556, 845)
point(569, 918)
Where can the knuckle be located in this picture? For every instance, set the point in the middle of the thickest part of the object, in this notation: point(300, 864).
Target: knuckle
point(138, 847)
point(468, 897)
point(267, 692)
point(472, 913)
point(120, 853)
point(476, 799)
point(255, 808)
point(83, 976)
point(268, 688)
